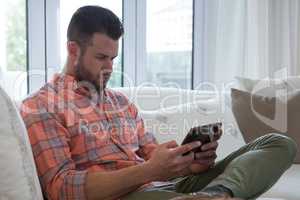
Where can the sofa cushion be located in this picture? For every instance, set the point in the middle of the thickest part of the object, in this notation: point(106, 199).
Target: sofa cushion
point(18, 176)
point(257, 115)
point(173, 123)
point(286, 187)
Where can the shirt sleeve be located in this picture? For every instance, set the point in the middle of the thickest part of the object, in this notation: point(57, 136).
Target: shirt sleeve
point(147, 141)
point(49, 141)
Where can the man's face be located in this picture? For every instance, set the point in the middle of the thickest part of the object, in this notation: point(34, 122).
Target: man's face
point(95, 64)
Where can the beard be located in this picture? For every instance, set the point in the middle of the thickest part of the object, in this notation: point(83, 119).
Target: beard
point(98, 82)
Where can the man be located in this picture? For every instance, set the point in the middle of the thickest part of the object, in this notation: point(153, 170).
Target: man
point(89, 142)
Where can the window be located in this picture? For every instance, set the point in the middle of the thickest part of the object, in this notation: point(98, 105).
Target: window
point(157, 46)
point(169, 42)
point(175, 43)
point(13, 48)
point(66, 11)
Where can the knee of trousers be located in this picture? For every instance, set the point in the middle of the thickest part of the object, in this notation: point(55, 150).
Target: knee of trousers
point(287, 145)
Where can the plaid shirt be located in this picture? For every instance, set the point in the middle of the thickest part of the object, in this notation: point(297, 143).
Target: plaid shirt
point(73, 133)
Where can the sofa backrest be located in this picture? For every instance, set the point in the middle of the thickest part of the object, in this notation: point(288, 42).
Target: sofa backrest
point(154, 98)
point(169, 113)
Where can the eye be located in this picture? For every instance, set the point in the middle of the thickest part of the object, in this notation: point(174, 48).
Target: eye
point(100, 57)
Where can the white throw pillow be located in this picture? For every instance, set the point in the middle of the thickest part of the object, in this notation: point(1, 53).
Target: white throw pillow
point(269, 87)
point(18, 176)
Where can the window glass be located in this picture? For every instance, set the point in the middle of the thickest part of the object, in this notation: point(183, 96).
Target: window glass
point(13, 48)
point(169, 42)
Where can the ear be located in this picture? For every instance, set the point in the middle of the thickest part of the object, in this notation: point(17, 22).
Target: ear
point(73, 51)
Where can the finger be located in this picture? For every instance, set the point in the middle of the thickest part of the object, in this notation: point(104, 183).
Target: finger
point(211, 145)
point(205, 162)
point(205, 155)
point(170, 144)
point(182, 162)
point(186, 148)
point(218, 135)
point(185, 160)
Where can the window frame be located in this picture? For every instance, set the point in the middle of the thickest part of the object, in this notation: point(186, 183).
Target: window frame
point(44, 56)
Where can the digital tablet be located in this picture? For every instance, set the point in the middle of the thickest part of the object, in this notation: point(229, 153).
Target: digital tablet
point(204, 134)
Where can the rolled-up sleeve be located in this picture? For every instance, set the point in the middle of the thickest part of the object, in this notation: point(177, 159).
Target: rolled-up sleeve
point(49, 141)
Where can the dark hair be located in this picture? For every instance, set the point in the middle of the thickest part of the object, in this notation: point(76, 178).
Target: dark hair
point(88, 20)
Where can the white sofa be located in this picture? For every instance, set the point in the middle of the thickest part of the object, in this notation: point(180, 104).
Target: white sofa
point(170, 107)
point(169, 113)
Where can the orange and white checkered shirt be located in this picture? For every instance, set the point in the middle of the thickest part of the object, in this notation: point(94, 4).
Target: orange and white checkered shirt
point(72, 132)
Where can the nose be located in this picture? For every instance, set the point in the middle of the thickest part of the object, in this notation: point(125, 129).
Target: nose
point(109, 65)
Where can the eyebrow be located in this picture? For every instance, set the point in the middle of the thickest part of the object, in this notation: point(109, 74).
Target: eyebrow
point(102, 54)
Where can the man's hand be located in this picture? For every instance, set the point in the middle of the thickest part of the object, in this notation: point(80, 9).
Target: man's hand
point(167, 162)
point(206, 158)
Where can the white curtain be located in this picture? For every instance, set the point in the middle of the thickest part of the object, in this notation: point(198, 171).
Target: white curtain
point(250, 38)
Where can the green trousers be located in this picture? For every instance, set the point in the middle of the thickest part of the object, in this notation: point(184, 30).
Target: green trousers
point(248, 172)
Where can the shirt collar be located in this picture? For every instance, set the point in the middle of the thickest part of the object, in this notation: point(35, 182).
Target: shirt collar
point(64, 81)
point(69, 82)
